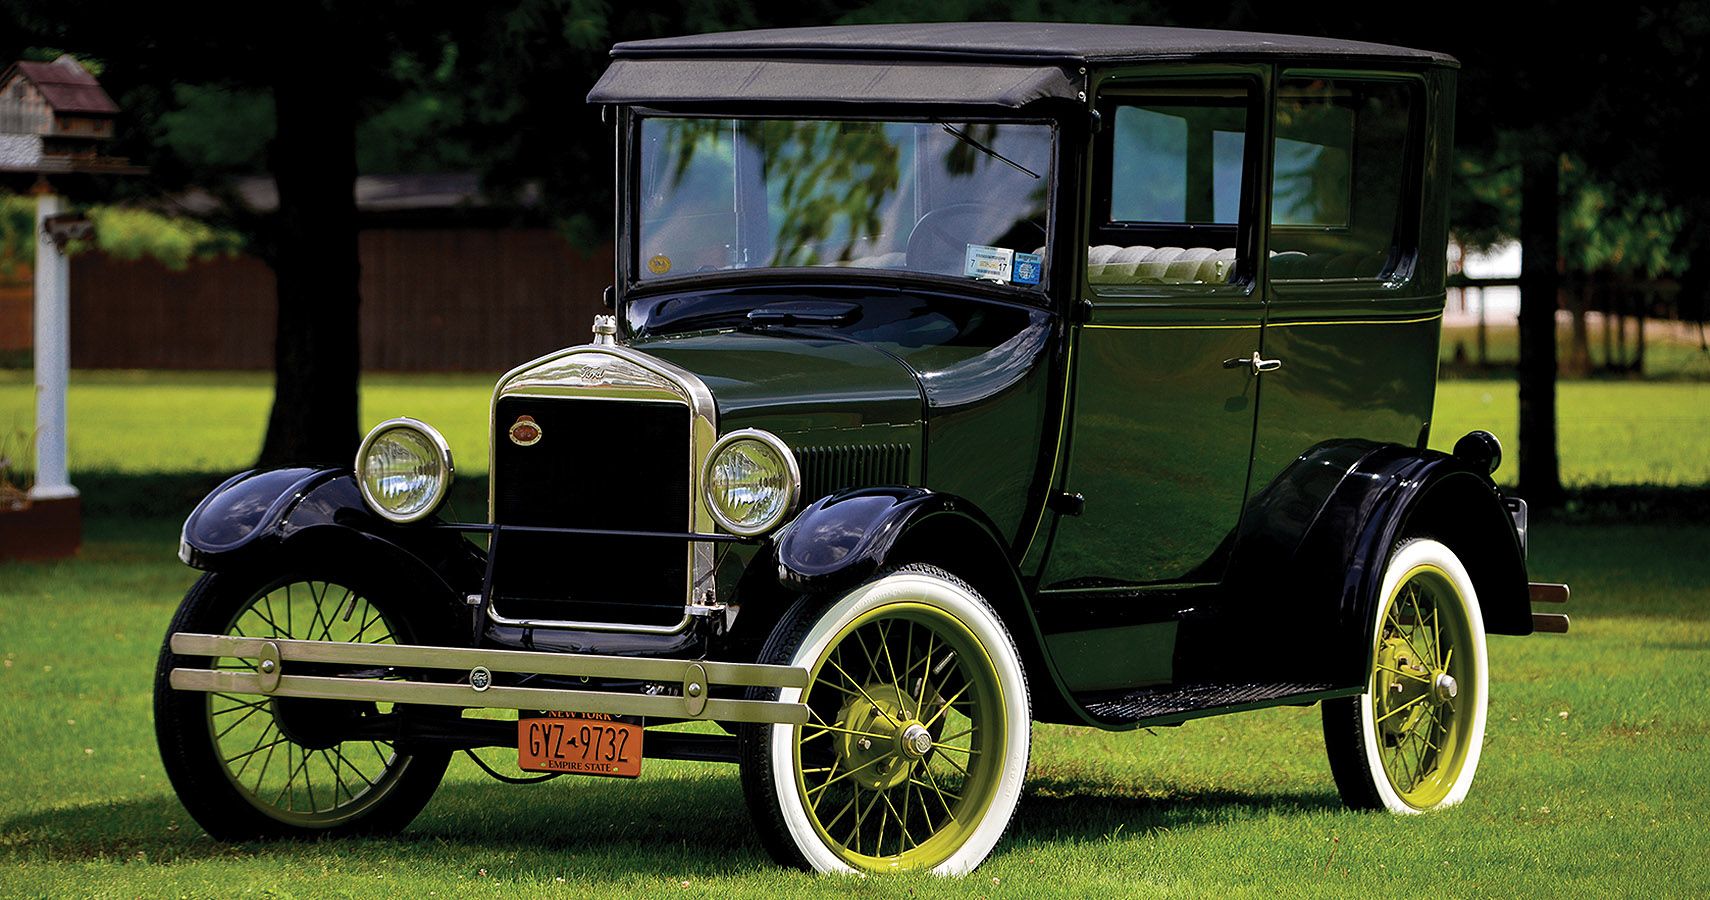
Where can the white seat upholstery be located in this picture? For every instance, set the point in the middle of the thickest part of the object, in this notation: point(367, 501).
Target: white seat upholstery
point(1110, 264)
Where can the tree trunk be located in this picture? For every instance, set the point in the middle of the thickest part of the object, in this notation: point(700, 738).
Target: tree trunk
point(316, 267)
point(1578, 363)
point(1540, 473)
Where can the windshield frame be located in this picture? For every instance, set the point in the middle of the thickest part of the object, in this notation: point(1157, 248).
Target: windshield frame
point(628, 178)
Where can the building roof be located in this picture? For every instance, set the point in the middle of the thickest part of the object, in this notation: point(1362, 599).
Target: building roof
point(66, 86)
point(1015, 42)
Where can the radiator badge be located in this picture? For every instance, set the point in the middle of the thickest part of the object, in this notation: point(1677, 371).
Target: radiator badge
point(525, 432)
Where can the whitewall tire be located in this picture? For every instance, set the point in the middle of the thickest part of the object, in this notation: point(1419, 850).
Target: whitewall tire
point(915, 753)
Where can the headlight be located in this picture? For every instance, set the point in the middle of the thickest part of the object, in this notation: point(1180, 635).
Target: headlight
point(403, 469)
point(751, 482)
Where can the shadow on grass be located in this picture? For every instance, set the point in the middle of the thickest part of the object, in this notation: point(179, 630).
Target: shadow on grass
point(637, 828)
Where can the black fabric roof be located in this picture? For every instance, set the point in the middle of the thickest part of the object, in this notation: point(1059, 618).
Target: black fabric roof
point(1014, 42)
point(674, 81)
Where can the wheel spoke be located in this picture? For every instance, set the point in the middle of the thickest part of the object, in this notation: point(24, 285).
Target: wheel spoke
point(1399, 709)
point(842, 812)
point(945, 708)
point(931, 644)
point(865, 696)
point(841, 730)
point(847, 772)
point(890, 662)
point(1404, 674)
point(239, 721)
point(952, 763)
point(365, 779)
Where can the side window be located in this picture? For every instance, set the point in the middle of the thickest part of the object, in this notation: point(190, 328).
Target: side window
point(1172, 185)
point(1344, 192)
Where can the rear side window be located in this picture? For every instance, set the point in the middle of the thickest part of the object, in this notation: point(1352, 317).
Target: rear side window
point(1345, 182)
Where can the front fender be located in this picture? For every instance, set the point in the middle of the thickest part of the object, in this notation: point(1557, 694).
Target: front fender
point(840, 541)
point(282, 517)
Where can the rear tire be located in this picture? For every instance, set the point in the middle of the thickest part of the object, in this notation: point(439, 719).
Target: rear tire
point(250, 767)
point(1410, 743)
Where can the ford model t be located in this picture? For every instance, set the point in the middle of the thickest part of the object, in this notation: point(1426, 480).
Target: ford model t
point(960, 377)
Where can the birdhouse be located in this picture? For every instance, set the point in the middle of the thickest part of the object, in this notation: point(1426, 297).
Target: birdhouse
point(58, 104)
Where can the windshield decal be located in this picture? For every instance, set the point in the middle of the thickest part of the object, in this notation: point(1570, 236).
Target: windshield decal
point(989, 263)
point(1027, 268)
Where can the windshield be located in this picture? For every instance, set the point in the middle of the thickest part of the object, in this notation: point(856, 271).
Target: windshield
point(959, 199)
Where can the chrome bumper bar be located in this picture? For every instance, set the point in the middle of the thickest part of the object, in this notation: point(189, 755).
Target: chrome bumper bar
point(1548, 623)
point(693, 679)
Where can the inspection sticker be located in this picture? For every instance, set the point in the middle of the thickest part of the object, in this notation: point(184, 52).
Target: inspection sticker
point(992, 263)
point(1027, 267)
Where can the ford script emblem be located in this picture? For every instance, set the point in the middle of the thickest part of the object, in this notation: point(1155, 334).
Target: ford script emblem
point(480, 679)
point(525, 431)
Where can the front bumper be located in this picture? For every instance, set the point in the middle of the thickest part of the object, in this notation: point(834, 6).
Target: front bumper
point(684, 687)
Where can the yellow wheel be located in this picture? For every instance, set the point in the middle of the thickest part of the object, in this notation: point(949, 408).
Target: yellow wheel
point(1411, 742)
point(914, 752)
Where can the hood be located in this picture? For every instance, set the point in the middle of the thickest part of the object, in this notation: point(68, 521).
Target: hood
point(792, 383)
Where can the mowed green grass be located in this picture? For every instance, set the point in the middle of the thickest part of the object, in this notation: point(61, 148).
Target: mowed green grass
point(1595, 778)
point(153, 421)
point(1672, 350)
point(1612, 432)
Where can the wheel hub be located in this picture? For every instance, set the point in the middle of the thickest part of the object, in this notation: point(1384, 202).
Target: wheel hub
point(882, 738)
point(1444, 687)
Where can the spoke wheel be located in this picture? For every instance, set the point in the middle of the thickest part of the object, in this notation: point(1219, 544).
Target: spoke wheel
point(284, 754)
point(1420, 723)
point(917, 733)
point(251, 766)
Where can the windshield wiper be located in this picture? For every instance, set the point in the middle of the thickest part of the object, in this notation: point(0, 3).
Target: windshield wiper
point(987, 150)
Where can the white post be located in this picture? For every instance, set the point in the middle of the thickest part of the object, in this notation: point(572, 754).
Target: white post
point(53, 358)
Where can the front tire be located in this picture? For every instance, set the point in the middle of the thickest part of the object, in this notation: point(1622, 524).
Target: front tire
point(917, 742)
point(1411, 742)
point(250, 767)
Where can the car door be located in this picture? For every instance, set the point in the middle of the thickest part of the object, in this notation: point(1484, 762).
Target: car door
point(1162, 390)
point(1353, 322)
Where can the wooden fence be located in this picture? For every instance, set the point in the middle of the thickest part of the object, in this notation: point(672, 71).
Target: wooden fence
point(455, 299)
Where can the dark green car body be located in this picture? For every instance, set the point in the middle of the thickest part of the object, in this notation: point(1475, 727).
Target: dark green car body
point(1171, 523)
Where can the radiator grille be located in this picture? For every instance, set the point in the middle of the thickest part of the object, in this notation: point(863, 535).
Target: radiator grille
point(610, 464)
point(826, 470)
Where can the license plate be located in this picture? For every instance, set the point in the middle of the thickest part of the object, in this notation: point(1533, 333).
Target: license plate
point(588, 744)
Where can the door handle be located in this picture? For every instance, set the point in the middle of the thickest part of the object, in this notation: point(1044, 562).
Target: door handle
point(1256, 362)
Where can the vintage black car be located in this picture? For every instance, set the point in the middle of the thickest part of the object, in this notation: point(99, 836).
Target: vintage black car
point(960, 377)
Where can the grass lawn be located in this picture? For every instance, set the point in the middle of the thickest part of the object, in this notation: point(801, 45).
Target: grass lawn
point(1595, 778)
point(1612, 432)
point(1672, 350)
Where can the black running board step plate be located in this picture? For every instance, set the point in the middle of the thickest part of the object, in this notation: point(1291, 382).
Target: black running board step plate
point(1151, 703)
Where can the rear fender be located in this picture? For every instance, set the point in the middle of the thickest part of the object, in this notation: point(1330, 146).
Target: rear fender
point(1316, 541)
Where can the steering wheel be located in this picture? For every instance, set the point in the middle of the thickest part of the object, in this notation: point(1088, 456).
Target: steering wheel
point(939, 241)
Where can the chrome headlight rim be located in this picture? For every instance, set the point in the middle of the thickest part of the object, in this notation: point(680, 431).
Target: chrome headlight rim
point(791, 468)
point(442, 484)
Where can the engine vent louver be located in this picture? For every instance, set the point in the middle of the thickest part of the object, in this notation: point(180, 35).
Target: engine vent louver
point(826, 470)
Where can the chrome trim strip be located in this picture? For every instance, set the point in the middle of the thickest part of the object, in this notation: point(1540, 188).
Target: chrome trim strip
point(678, 385)
point(518, 662)
point(461, 695)
point(677, 672)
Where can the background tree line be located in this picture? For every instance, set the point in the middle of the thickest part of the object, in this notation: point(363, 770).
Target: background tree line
point(1572, 136)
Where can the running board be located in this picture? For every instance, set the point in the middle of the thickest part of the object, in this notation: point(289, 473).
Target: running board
point(1176, 703)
